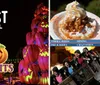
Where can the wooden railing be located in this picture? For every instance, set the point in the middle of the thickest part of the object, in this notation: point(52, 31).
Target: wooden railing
point(83, 75)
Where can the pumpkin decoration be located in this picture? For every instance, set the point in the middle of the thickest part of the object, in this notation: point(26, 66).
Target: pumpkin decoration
point(30, 53)
point(32, 77)
point(28, 73)
point(35, 22)
point(44, 80)
point(3, 54)
point(22, 66)
point(39, 38)
point(43, 26)
point(44, 10)
point(30, 38)
point(43, 64)
point(40, 14)
point(43, 55)
point(43, 60)
point(41, 10)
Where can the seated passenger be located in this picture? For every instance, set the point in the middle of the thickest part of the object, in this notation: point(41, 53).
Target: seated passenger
point(56, 78)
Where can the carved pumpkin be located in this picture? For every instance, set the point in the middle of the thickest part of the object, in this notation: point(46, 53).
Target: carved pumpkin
point(28, 73)
point(32, 77)
point(35, 22)
point(43, 26)
point(30, 38)
point(22, 66)
point(40, 40)
point(30, 53)
point(43, 55)
point(41, 10)
point(44, 80)
point(44, 65)
point(3, 54)
point(43, 60)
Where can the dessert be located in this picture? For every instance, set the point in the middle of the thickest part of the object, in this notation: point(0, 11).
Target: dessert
point(76, 24)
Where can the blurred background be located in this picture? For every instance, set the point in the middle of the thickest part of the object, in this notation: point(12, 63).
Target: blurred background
point(93, 6)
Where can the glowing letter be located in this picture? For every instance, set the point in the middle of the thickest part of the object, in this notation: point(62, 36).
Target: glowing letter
point(4, 16)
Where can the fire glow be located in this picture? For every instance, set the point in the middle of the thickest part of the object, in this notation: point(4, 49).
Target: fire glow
point(6, 68)
point(73, 49)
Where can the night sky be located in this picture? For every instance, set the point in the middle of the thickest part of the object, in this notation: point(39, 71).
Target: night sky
point(19, 17)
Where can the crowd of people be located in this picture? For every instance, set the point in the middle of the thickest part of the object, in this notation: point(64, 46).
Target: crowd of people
point(79, 60)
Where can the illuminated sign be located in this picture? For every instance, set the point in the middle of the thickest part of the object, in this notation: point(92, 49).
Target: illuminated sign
point(6, 68)
point(3, 58)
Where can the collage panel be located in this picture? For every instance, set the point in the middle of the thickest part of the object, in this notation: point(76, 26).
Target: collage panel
point(74, 42)
point(75, 65)
point(24, 56)
point(75, 20)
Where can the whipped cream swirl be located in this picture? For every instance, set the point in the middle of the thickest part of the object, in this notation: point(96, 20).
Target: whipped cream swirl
point(74, 10)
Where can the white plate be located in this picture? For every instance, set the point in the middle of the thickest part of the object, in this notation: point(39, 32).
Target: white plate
point(54, 33)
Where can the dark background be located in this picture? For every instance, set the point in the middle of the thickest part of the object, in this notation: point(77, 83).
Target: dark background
point(92, 6)
point(19, 17)
point(56, 3)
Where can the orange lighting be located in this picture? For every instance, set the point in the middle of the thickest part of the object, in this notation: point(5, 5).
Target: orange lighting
point(74, 48)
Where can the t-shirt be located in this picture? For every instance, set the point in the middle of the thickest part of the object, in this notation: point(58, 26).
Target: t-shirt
point(59, 78)
point(70, 70)
point(80, 60)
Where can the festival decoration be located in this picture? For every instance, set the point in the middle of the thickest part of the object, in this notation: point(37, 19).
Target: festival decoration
point(3, 54)
point(34, 24)
point(39, 38)
point(28, 74)
point(30, 53)
point(43, 26)
point(32, 77)
point(22, 66)
point(40, 21)
point(35, 53)
point(41, 10)
point(44, 80)
point(43, 64)
point(43, 60)
point(30, 38)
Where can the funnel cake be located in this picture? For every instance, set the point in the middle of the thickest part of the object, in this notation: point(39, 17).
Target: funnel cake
point(76, 24)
